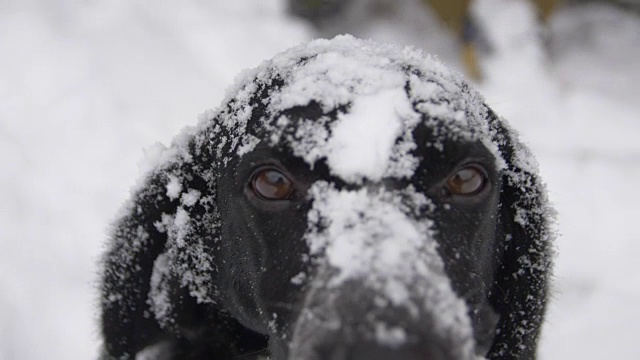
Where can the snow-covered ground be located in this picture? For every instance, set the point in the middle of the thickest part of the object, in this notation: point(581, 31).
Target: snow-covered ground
point(85, 86)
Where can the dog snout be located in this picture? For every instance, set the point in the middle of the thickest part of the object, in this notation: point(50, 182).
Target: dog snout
point(380, 342)
point(355, 321)
point(379, 289)
point(375, 351)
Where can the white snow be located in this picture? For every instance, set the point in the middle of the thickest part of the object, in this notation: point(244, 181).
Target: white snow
point(174, 187)
point(190, 197)
point(366, 234)
point(393, 337)
point(85, 86)
point(374, 124)
point(159, 299)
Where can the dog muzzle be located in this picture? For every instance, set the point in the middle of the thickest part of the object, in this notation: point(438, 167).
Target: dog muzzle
point(379, 288)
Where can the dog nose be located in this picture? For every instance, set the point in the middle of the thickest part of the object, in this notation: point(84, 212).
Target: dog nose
point(373, 351)
point(354, 320)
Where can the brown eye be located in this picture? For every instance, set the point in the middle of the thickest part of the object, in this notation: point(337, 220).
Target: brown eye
point(270, 184)
point(467, 181)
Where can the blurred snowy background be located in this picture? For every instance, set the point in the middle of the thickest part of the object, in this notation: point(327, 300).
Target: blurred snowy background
point(86, 85)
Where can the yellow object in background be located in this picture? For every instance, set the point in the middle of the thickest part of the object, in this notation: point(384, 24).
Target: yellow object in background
point(455, 15)
point(451, 12)
point(545, 8)
point(470, 60)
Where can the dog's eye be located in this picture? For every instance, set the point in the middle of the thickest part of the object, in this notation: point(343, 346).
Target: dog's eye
point(270, 184)
point(467, 181)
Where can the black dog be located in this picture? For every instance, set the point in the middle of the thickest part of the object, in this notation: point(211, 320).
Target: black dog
point(347, 201)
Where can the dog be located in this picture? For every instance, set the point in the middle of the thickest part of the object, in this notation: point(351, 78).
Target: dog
point(348, 200)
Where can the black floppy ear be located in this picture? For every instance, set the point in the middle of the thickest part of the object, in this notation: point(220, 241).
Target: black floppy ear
point(524, 261)
point(141, 290)
point(160, 270)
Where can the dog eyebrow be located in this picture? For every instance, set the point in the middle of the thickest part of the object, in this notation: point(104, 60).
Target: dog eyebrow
point(258, 154)
point(263, 154)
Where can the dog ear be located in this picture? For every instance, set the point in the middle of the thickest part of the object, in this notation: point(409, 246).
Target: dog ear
point(159, 272)
point(137, 240)
point(135, 243)
point(524, 262)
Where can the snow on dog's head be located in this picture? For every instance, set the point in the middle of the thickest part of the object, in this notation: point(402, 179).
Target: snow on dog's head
point(378, 92)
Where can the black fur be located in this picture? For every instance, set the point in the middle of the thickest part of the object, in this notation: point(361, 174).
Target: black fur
point(241, 252)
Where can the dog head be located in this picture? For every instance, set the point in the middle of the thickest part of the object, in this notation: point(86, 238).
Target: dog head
point(348, 200)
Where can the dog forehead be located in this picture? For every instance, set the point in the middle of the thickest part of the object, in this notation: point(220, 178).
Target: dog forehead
point(354, 104)
point(369, 138)
point(336, 73)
